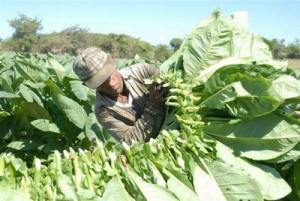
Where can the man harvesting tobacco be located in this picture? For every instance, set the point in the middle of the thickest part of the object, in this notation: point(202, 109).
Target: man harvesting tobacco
point(125, 106)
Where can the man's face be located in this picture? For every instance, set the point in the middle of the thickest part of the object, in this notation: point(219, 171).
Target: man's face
point(113, 85)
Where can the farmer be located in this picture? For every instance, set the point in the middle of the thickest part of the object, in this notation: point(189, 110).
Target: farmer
point(125, 106)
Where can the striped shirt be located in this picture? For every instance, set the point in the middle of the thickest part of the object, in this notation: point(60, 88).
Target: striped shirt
point(139, 119)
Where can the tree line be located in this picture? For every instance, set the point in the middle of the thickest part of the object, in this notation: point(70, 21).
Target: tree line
point(73, 39)
point(281, 51)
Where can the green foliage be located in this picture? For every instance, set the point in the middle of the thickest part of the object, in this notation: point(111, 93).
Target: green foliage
point(123, 46)
point(25, 26)
point(25, 34)
point(280, 50)
point(43, 109)
point(78, 39)
point(162, 52)
point(26, 44)
point(239, 97)
point(229, 134)
point(293, 50)
point(73, 39)
point(176, 43)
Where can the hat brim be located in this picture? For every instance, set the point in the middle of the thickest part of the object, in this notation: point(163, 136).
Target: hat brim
point(96, 80)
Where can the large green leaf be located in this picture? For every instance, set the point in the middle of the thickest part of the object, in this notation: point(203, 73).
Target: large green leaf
point(206, 46)
point(243, 95)
point(251, 106)
point(25, 144)
point(29, 94)
point(55, 90)
point(31, 71)
point(79, 89)
point(16, 83)
point(92, 128)
point(72, 109)
point(169, 65)
point(34, 110)
point(183, 192)
point(67, 187)
point(115, 190)
point(4, 94)
point(180, 176)
point(261, 138)
point(45, 125)
point(271, 184)
point(75, 112)
point(219, 99)
point(205, 184)
point(26, 93)
point(234, 184)
point(240, 102)
point(158, 177)
point(256, 79)
point(151, 191)
point(217, 38)
point(8, 194)
point(56, 70)
point(6, 86)
point(285, 87)
point(293, 154)
point(206, 73)
point(25, 113)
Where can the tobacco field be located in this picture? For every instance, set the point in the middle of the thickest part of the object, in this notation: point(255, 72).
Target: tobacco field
point(230, 132)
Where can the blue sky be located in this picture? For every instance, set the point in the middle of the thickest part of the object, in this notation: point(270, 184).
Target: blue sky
point(156, 21)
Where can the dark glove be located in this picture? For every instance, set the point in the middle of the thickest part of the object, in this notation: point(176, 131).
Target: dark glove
point(158, 93)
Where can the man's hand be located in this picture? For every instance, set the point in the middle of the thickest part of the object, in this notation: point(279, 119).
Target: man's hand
point(158, 93)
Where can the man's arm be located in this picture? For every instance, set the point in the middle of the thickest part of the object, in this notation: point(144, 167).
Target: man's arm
point(149, 124)
point(143, 71)
point(146, 127)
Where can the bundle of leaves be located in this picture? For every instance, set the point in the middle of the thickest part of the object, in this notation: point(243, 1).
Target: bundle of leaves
point(228, 90)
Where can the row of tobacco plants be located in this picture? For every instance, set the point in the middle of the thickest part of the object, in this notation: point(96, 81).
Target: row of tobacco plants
point(230, 131)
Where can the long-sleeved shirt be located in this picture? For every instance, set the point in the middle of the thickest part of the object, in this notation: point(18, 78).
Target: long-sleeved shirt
point(139, 119)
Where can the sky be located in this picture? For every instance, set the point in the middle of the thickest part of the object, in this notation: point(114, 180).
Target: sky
point(154, 21)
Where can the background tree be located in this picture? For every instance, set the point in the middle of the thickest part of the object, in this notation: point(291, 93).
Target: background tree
point(78, 38)
point(26, 38)
point(25, 26)
point(25, 33)
point(162, 52)
point(293, 50)
point(176, 43)
point(278, 48)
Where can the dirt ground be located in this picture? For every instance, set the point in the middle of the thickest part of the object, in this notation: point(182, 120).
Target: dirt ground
point(294, 63)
